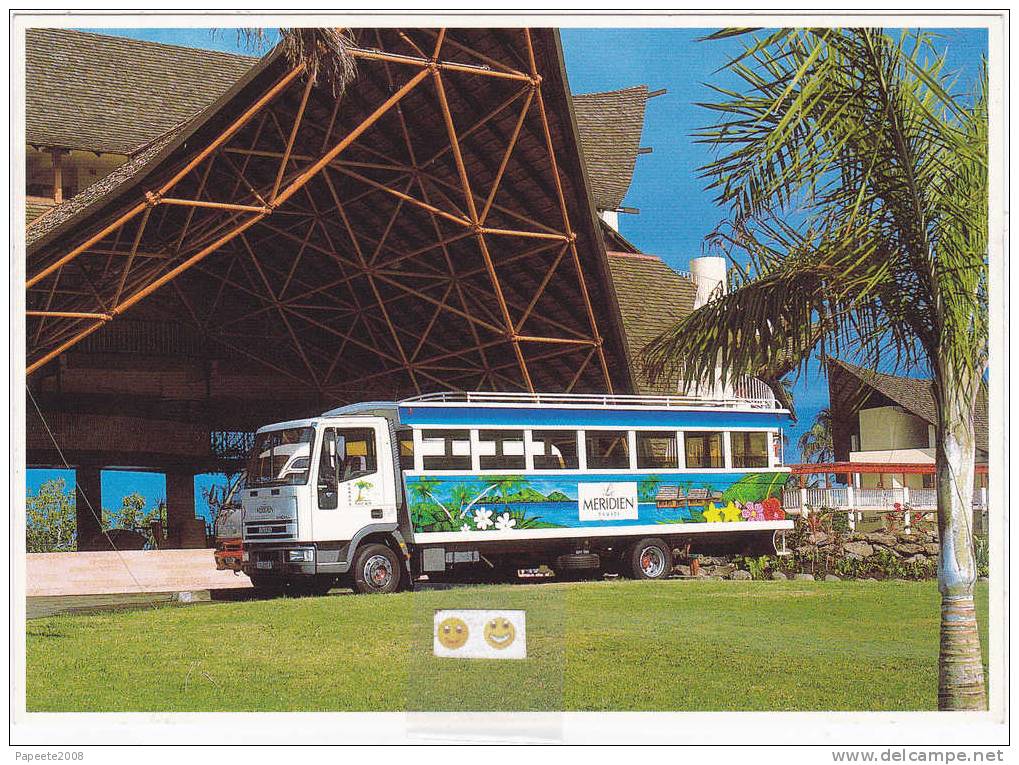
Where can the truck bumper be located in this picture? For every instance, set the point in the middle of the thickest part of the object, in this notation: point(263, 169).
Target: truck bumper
point(274, 560)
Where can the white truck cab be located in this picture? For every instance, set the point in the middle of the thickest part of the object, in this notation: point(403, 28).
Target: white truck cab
point(316, 490)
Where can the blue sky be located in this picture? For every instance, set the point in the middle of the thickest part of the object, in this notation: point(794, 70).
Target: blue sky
point(676, 213)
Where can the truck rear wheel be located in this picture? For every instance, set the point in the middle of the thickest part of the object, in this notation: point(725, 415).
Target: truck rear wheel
point(376, 570)
point(650, 559)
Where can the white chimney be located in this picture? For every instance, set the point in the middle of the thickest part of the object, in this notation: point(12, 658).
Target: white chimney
point(711, 280)
point(709, 276)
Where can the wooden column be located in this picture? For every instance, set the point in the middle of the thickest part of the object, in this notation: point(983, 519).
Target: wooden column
point(57, 156)
point(88, 506)
point(183, 530)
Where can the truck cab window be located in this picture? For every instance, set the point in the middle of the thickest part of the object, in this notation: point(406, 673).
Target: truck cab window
point(749, 450)
point(446, 449)
point(704, 450)
point(280, 457)
point(608, 449)
point(501, 449)
point(555, 449)
point(346, 454)
point(657, 451)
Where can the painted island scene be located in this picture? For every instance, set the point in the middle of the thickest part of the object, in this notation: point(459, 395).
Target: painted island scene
point(468, 503)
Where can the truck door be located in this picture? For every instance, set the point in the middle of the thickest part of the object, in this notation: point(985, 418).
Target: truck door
point(354, 480)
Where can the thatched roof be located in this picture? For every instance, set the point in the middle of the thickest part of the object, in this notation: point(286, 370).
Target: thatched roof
point(912, 394)
point(112, 94)
point(610, 126)
point(652, 298)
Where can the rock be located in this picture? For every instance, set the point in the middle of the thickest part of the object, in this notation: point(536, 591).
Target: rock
point(909, 549)
point(806, 550)
point(917, 559)
point(932, 548)
point(740, 575)
point(778, 576)
point(707, 560)
point(832, 578)
point(717, 578)
point(803, 577)
point(858, 550)
point(682, 570)
point(818, 538)
point(880, 538)
point(723, 570)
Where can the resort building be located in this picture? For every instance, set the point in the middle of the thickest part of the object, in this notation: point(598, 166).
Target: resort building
point(213, 243)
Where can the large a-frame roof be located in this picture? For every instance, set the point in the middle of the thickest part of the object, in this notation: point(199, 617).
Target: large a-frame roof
point(432, 229)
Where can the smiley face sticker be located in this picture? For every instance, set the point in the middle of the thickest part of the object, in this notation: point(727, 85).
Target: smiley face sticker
point(452, 633)
point(479, 634)
point(500, 633)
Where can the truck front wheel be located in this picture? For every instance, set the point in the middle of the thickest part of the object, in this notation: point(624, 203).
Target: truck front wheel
point(376, 570)
point(650, 559)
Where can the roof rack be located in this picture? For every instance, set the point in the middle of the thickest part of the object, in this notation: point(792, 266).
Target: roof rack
point(597, 400)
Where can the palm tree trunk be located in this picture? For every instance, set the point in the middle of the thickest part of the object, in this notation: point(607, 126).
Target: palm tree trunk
point(960, 665)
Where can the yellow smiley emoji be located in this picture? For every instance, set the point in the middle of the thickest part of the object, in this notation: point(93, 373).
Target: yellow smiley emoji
point(453, 633)
point(500, 633)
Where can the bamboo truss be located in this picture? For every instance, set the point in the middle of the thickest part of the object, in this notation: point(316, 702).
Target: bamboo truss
point(418, 231)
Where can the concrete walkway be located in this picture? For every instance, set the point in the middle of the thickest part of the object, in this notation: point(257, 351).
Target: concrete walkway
point(128, 572)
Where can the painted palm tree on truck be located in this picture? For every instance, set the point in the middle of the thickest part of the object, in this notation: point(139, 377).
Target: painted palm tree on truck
point(855, 183)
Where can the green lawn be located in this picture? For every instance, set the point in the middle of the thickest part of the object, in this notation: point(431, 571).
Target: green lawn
point(618, 645)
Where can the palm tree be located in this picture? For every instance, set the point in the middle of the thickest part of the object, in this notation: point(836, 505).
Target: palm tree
point(322, 51)
point(816, 443)
point(856, 189)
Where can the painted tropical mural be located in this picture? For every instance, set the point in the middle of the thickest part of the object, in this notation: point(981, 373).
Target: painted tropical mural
point(481, 503)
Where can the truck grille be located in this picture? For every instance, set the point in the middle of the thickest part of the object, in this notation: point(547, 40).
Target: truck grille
point(257, 531)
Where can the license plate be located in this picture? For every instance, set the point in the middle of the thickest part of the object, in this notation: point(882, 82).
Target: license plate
point(263, 564)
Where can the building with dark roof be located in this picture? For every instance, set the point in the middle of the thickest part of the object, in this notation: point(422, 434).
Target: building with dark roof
point(882, 419)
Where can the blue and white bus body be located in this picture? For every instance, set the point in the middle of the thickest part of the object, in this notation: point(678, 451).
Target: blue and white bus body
point(451, 481)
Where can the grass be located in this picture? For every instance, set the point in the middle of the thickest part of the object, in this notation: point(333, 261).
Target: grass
point(616, 645)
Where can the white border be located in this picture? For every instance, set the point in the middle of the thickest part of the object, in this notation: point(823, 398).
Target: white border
point(956, 730)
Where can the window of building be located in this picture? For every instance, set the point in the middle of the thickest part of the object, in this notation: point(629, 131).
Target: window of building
point(749, 450)
point(446, 449)
point(927, 480)
point(555, 449)
point(501, 449)
point(607, 449)
point(704, 449)
point(657, 451)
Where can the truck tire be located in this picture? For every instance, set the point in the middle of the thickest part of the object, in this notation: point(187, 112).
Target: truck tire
point(376, 570)
point(577, 567)
point(650, 558)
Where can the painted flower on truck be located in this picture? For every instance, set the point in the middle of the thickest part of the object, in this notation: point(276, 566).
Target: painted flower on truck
point(511, 503)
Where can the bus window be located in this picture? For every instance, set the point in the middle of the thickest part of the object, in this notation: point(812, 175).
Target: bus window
point(405, 440)
point(749, 450)
point(446, 449)
point(704, 450)
point(657, 450)
point(608, 449)
point(555, 449)
point(501, 449)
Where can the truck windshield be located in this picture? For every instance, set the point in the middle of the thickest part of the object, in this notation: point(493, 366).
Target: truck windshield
point(280, 457)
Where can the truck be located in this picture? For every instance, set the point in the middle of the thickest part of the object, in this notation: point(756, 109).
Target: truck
point(462, 486)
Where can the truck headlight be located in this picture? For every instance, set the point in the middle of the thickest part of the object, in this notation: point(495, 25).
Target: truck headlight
point(301, 556)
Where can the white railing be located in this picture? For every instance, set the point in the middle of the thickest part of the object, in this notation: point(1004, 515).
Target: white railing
point(849, 497)
point(757, 396)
